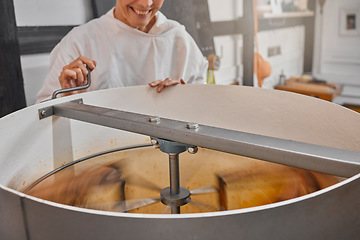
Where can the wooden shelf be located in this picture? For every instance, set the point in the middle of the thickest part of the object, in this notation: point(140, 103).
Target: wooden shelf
point(325, 91)
point(306, 13)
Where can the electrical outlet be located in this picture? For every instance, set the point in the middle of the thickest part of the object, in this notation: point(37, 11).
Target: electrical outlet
point(274, 51)
point(270, 51)
point(278, 50)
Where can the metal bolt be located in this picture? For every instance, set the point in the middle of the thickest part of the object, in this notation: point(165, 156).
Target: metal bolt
point(155, 143)
point(43, 113)
point(154, 119)
point(192, 125)
point(193, 150)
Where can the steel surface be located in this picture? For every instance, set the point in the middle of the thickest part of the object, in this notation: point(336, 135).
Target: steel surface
point(33, 147)
point(328, 160)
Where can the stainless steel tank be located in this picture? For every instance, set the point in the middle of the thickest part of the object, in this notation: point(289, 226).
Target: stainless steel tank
point(31, 147)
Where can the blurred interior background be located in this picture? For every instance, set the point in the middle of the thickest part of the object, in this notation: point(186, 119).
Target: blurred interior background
point(318, 38)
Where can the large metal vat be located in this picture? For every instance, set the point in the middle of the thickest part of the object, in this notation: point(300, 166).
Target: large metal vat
point(31, 147)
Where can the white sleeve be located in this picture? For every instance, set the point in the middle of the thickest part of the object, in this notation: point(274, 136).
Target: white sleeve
point(201, 74)
point(196, 62)
point(201, 79)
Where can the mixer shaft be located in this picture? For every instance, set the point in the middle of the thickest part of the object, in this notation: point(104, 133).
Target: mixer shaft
point(174, 196)
point(174, 179)
point(174, 174)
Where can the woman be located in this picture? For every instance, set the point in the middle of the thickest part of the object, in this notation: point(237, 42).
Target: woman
point(133, 44)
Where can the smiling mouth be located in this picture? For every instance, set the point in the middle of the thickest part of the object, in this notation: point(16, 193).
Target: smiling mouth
point(141, 12)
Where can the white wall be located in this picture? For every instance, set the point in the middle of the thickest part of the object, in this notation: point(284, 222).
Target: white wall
point(291, 60)
point(229, 48)
point(340, 53)
point(225, 10)
point(52, 12)
point(35, 68)
point(337, 51)
point(46, 13)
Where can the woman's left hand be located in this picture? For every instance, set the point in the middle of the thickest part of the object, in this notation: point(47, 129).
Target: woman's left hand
point(161, 84)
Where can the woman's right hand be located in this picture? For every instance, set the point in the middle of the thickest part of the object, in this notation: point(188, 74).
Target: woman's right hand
point(75, 74)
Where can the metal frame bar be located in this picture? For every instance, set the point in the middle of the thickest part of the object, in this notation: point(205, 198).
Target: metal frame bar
point(40, 39)
point(318, 158)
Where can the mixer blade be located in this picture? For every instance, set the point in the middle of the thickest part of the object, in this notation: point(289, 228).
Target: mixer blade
point(204, 190)
point(137, 180)
point(82, 187)
point(269, 185)
point(129, 205)
point(204, 206)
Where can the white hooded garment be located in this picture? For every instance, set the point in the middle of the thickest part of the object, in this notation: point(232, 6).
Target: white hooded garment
point(126, 56)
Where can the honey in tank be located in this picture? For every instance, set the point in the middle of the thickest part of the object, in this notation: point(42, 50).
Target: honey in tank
point(131, 181)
